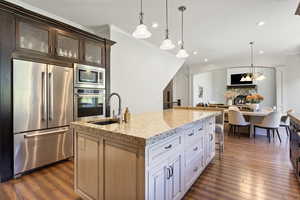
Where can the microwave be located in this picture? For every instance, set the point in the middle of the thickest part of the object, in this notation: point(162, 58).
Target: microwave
point(88, 76)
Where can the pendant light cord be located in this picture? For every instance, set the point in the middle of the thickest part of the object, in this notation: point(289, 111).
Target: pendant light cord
point(252, 65)
point(141, 13)
point(167, 20)
point(182, 45)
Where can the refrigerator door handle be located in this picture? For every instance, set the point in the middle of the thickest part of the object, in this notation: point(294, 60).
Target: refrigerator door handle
point(44, 96)
point(46, 133)
point(50, 96)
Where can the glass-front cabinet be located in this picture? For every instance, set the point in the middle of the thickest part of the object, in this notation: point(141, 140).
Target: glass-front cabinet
point(67, 46)
point(42, 40)
point(33, 37)
point(94, 53)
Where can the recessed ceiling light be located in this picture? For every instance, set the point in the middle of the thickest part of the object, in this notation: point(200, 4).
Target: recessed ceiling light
point(261, 23)
point(205, 60)
point(155, 25)
point(261, 52)
point(195, 52)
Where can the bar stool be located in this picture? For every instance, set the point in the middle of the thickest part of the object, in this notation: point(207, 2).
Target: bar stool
point(284, 122)
point(219, 130)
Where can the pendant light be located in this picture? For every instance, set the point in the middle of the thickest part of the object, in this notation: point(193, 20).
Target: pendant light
point(167, 44)
point(182, 52)
point(253, 75)
point(141, 31)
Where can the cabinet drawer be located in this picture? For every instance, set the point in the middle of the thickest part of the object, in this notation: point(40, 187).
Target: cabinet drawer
point(199, 128)
point(190, 136)
point(192, 171)
point(158, 151)
point(194, 151)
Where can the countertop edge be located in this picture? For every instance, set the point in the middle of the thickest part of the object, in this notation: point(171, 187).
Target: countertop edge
point(295, 117)
point(95, 130)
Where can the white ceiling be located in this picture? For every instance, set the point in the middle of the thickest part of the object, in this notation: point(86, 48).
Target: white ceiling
point(218, 30)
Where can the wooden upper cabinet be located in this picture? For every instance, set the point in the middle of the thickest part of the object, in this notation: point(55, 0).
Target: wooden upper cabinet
point(67, 45)
point(33, 37)
point(44, 40)
point(94, 53)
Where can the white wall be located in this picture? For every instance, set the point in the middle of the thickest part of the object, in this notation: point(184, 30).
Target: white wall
point(267, 87)
point(139, 71)
point(219, 86)
point(181, 86)
point(202, 80)
point(214, 86)
point(290, 77)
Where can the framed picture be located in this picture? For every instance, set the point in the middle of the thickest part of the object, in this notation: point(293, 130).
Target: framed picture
point(200, 91)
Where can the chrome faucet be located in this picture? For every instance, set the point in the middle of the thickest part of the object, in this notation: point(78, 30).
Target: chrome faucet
point(119, 117)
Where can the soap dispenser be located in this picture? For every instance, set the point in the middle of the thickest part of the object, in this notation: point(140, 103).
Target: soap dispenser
point(127, 115)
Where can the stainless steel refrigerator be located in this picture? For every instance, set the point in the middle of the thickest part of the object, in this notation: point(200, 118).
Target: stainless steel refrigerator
point(42, 112)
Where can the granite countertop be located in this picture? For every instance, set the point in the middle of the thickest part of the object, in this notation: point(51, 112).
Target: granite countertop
point(148, 127)
point(295, 117)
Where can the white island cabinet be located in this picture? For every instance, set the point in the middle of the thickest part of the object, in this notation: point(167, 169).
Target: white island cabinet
point(112, 166)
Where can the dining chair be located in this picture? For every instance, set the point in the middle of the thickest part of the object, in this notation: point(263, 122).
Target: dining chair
point(234, 108)
point(285, 122)
point(271, 123)
point(236, 119)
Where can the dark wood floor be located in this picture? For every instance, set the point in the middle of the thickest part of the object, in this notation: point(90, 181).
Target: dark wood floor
point(247, 171)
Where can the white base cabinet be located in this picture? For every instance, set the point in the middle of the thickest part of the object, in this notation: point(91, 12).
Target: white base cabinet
point(192, 149)
point(166, 180)
point(107, 169)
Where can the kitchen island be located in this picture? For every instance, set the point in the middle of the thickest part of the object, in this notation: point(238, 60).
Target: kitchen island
point(155, 156)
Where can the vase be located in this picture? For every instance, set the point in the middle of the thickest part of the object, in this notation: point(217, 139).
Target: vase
point(254, 106)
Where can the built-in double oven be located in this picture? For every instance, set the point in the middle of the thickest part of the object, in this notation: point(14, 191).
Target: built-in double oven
point(89, 101)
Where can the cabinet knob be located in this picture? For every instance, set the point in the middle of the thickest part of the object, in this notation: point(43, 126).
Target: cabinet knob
point(195, 149)
point(200, 129)
point(169, 146)
point(196, 169)
point(191, 134)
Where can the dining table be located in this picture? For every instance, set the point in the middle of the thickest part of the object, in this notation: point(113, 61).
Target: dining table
point(254, 117)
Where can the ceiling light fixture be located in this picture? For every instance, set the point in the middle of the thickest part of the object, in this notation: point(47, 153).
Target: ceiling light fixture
point(205, 60)
point(195, 52)
point(253, 75)
point(261, 23)
point(261, 52)
point(182, 52)
point(155, 25)
point(141, 31)
point(167, 44)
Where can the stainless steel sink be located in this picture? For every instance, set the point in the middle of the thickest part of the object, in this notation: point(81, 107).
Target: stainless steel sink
point(106, 122)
